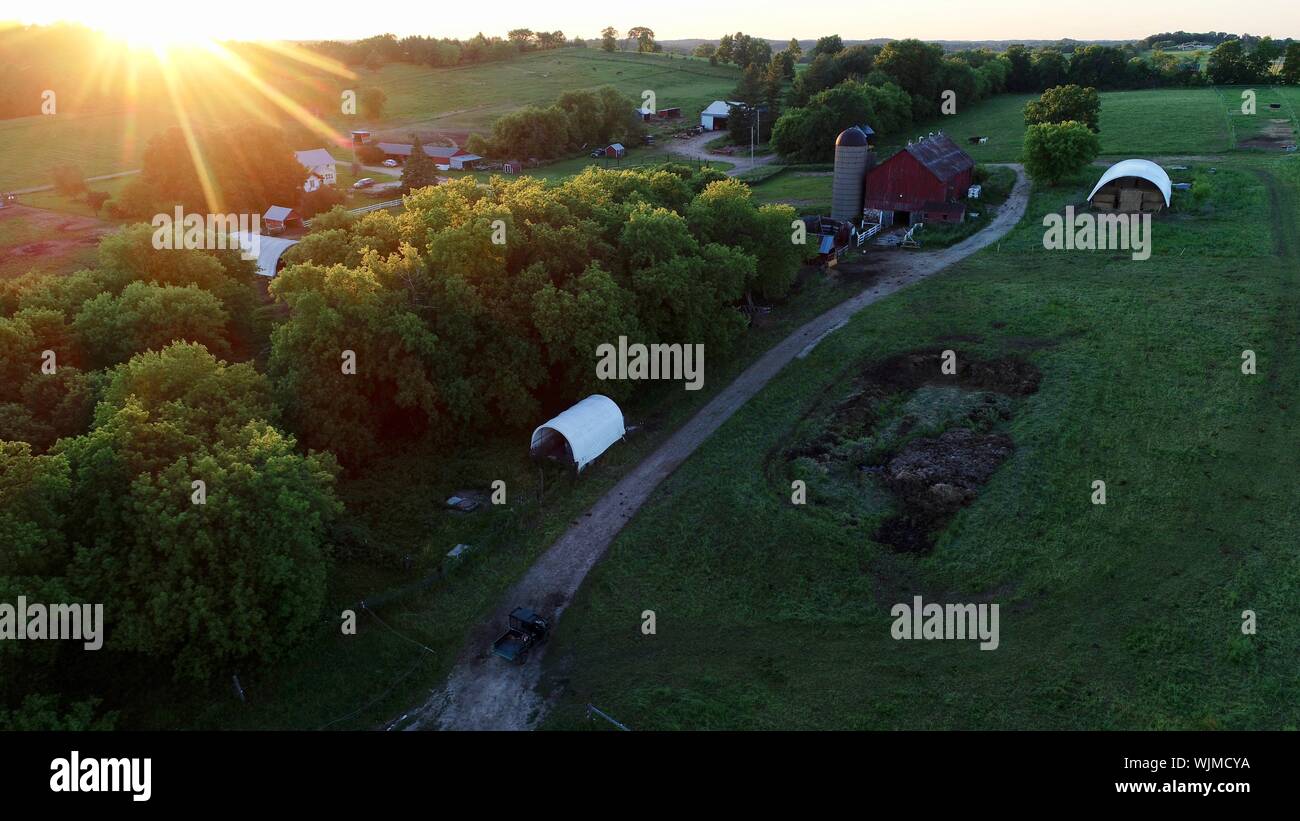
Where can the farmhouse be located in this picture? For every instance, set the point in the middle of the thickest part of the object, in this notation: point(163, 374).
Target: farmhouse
point(924, 182)
point(714, 118)
point(1132, 187)
point(580, 434)
point(318, 162)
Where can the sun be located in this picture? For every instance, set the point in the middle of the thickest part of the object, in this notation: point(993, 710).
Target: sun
point(145, 27)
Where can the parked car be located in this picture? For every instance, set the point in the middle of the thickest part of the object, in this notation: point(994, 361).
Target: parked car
point(390, 163)
point(598, 153)
point(364, 182)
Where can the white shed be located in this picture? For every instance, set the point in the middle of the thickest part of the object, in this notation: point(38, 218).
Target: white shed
point(1132, 186)
point(581, 433)
point(714, 118)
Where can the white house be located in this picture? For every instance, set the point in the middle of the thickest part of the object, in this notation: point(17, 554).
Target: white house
point(317, 161)
point(714, 118)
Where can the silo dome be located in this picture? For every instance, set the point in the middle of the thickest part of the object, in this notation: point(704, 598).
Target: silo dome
point(851, 136)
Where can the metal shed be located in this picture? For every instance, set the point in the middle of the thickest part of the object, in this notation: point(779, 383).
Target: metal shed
point(580, 434)
point(1132, 186)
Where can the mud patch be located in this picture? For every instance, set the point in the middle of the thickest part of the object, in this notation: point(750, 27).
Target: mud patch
point(1277, 135)
point(909, 446)
point(936, 477)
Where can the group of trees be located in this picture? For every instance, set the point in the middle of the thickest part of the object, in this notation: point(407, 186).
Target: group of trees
point(245, 169)
point(375, 52)
point(1061, 132)
point(576, 119)
point(454, 333)
point(115, 399)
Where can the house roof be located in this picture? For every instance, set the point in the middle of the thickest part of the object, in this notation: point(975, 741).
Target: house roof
point(437, 152)
point(941, 156)
point(617, 146)
point(314, 158)
point(279, 213)
point(1142, 169)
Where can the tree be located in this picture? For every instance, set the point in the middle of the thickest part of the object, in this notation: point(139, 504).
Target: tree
point(1050, 68)
point(644, 38)
point(1055, 151)
point(1291, 64)
point(794, 49)
point(829, 45)
point(148, 316)
point(609, 39)
point(705, 50)
point(419, 170)
point(1228, 64)
point(1021, 77)
point(1065, 103)
point(914, 66)
point(258, 539)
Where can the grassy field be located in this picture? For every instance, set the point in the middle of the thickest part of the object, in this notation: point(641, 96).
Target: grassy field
point(1125, 615)
point(1143, 123)
point(466, 98)
point(470, 98)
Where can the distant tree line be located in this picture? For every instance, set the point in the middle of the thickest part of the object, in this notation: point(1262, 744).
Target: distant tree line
point(375, 52)
point(871, 76)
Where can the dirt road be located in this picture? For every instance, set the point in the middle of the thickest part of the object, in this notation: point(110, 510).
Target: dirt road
point(484, 694)
point(694, 149)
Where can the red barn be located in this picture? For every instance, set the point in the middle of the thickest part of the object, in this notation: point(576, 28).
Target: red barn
point(924, 182)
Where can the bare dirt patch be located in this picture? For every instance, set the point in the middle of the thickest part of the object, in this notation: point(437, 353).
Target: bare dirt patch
point(1277, 135)
point(928, 440)
point(48, 240)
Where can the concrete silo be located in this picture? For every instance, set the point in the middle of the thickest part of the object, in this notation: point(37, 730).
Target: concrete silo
point(852, 159)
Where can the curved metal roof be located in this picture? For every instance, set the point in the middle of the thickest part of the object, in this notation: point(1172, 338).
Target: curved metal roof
point(1143, 169)
point(851, 136)
point(590, 427)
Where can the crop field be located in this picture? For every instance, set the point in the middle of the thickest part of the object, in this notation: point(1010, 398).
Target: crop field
point(1122, 615)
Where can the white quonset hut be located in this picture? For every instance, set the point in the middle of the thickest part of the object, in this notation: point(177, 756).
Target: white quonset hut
point(1132, 186)
point(580, 434)
point(714, 118)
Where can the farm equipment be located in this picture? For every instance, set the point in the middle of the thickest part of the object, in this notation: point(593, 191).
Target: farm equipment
point(526, 630)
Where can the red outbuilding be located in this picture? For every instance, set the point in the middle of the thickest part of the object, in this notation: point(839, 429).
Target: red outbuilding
point(925, 182)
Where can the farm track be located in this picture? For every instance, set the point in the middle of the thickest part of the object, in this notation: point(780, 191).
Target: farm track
point(481, 694)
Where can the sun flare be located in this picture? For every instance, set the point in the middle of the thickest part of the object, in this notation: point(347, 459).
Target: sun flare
point(145, 28)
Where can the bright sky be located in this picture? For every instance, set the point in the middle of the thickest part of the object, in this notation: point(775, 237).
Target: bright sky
point(154, 20)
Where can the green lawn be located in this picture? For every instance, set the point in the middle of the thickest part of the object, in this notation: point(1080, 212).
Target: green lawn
point(1145, 123)
point(1125, 615)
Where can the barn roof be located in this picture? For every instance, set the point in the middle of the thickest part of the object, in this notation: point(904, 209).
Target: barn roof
point(279, 213)
point(437, 152)
point(314, 157)
point(268, 249)
point(941, 156)
point(590, 427)
point(1142, 169)
point(718, 108)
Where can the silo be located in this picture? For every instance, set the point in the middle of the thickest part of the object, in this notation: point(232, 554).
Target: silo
point(851, 159)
